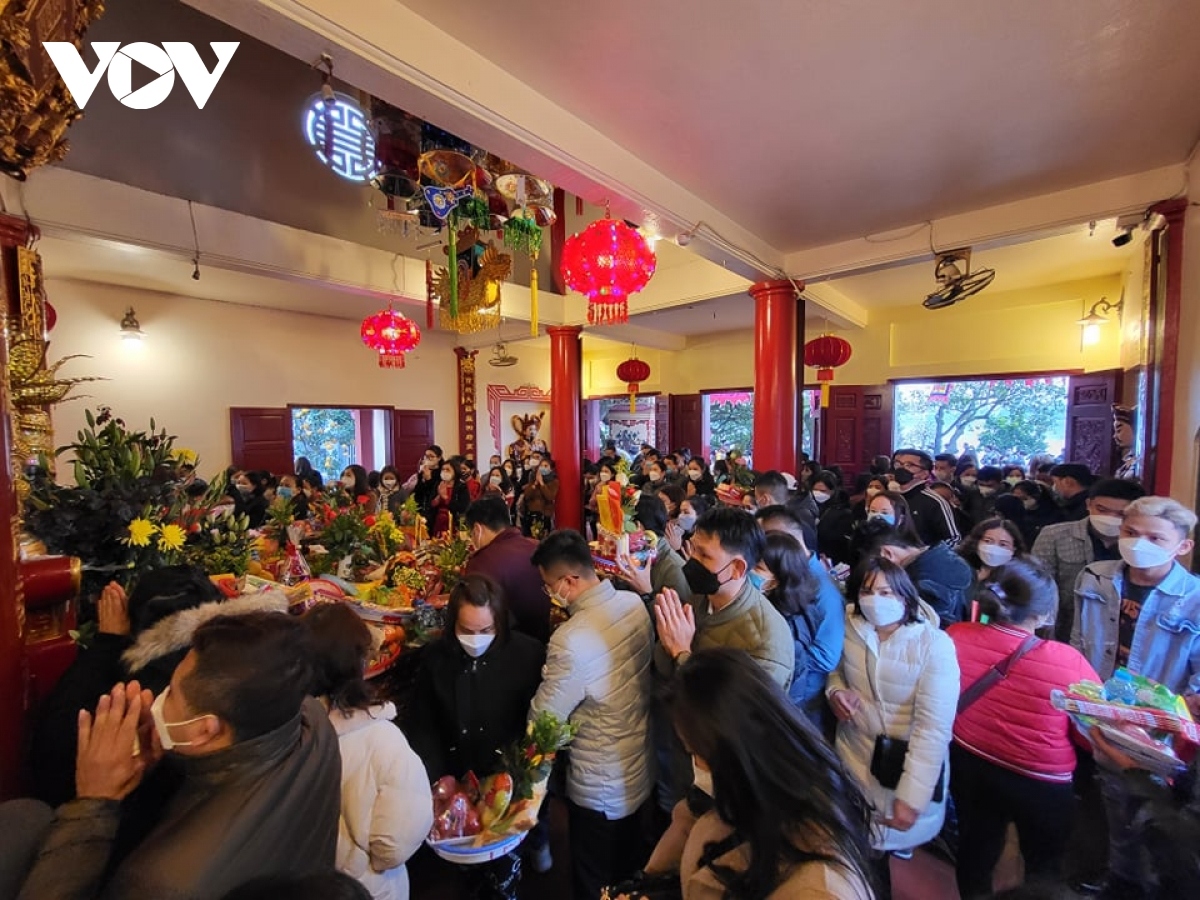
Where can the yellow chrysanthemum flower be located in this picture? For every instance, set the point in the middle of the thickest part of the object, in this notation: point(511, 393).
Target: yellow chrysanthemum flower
point(171, 537)
point(185, 457)
point(140, 532)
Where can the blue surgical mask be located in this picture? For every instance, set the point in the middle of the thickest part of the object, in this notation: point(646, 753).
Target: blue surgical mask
point(757, 579)
point(889, 518)
point(285, 492)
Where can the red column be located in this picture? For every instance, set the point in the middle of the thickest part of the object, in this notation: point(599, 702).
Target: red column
point(566, 351)
point(775, 387)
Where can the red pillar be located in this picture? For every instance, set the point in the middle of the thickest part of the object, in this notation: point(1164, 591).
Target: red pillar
point(775, 388)
point(566, 352)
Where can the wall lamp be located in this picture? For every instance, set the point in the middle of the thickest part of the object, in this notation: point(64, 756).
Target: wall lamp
point(1096, 317)
point(131, 329)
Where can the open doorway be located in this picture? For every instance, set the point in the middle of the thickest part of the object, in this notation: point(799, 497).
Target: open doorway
point(728, 418)
point(335, 437)
point(997, 420)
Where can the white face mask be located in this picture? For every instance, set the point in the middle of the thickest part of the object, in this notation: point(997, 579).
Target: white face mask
point(821, 496)
point(687, 521)
point(163, 727)
point(987, 491)
point(702, 779)
point(656, 476)
point(495, 480)
point(1105, 526)
point(1145, 554)
point(694, 474)
point(447, 476)
point(1030, 503)
point(388, 483)
point(1013, 480)
point(894, 487)
point(992, 555)
point(873, 492)
point(968, 480)
point(881, 610)
point(605, 477)
point(476, 644)
point(347, 481)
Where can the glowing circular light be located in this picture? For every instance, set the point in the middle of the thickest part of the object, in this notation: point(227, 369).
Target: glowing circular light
point(340, 134)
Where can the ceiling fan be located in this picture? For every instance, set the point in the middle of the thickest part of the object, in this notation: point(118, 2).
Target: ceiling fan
point(501, 357)
point(958, 282)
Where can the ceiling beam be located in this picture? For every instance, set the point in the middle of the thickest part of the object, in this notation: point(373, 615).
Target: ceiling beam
point(1022, 220)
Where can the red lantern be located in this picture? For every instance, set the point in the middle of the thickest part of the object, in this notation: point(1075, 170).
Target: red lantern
point(633, 372)
point(391, 335)
point(51, 317)
point(825, 354)
point(607, 262)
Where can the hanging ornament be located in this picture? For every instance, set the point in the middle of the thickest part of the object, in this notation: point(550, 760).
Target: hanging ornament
point(390, 334)
point(825, 354)
point(607, 262)
point(522, 233)
point(633, 372)
point(429, 294)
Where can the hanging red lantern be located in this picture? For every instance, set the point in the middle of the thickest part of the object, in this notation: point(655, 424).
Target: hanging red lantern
point(391, 335)
point(633, 372)
point(607, 262)
point(825, 354)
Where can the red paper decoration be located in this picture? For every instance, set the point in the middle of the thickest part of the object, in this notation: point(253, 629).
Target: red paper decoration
point(51, 317)
point(633, 371)
point(391, 335)
point(607, 262)
point(825, 354)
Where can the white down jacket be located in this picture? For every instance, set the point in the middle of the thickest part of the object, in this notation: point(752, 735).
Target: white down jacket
point(909, 688)
point(597, 675)
point(387, 808)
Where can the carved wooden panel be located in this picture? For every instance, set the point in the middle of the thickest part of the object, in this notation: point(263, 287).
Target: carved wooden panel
point(847, 400)
point(872, 402)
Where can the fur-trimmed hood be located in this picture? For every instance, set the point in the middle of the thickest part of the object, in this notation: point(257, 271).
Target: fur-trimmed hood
point(175, 631)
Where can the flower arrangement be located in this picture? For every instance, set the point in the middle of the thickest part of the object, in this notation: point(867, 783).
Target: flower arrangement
point(449, 554)
point(530, 759)
point(387, 536)
point(220, 544)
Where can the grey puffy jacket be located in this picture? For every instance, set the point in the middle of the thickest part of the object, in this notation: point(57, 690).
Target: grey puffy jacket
point(597, 675)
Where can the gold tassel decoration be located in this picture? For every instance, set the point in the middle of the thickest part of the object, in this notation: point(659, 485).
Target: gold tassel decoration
point(533, 297)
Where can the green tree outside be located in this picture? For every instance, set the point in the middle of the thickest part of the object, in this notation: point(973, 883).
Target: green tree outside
point(328, 437)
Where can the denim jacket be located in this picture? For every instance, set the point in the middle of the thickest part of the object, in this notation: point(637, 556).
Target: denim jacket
point(1166, 641)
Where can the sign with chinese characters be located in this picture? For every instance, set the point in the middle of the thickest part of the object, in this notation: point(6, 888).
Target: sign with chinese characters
point(468, 441)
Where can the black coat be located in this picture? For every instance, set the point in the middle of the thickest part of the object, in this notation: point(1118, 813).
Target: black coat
point(834, 527)
point(468, 709)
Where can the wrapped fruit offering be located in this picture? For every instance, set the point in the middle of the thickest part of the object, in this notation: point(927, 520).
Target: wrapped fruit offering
point(1144, 719)
point(454, 812)
point(497, 791)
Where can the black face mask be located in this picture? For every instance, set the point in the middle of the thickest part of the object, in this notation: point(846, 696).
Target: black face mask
point(903, 476)
point(702, 580)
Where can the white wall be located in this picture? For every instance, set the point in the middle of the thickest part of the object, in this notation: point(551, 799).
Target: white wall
point(200, 357)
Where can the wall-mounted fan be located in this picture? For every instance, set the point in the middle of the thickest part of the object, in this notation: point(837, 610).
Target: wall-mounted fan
point(958, 282)
point(501, 357)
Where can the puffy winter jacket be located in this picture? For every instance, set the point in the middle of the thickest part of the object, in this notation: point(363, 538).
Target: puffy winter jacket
point(909, 689)
point(386, 805)
point(1013, 724)
point(598, 676)
point(943, 580)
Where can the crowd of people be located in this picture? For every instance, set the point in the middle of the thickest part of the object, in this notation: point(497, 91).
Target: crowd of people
point(808, 680)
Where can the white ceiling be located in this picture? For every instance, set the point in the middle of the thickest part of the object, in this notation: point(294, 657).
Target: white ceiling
point(1072, 256)
point(809, 123)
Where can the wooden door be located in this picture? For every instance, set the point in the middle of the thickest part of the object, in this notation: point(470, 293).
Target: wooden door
point(687, 422)
point(589, 424)
point(261, 438)
point(1090, 421)
point(856, 426)
point(412, 433)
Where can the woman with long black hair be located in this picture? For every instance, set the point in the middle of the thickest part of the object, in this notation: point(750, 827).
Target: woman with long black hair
point(789, 583)
point(785, 817)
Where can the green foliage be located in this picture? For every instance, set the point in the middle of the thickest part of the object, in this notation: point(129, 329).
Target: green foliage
point(120, 475)
point(221, 545)
point(327, 437)
point(731, 425)
point(1001, 420)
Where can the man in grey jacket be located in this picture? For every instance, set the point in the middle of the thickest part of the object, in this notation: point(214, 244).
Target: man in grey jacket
point(597, 675)
point(256, 765)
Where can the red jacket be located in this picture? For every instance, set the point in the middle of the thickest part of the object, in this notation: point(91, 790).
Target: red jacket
point(1013, 724)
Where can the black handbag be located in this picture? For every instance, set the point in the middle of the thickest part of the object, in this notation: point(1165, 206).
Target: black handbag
point(887, 765)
